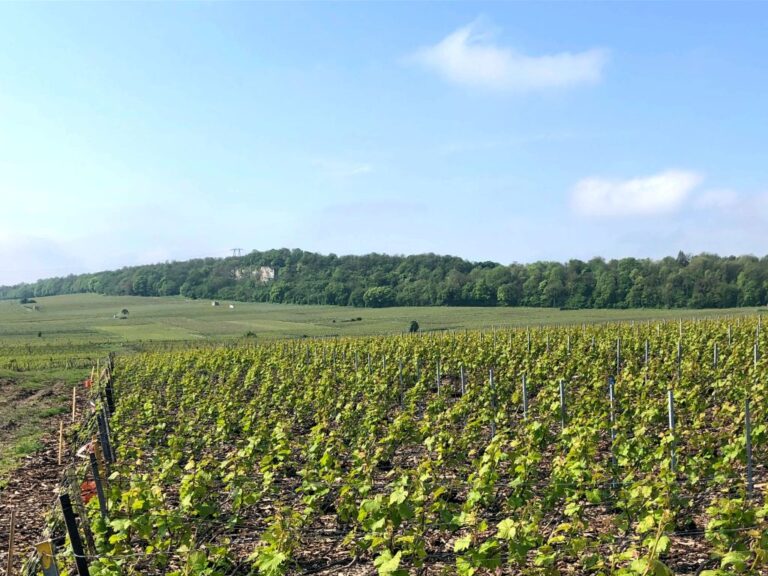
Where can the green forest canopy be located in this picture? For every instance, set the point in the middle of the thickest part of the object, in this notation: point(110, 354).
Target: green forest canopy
point(379, 280)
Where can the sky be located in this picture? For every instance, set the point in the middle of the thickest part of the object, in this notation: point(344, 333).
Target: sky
point(134, 133)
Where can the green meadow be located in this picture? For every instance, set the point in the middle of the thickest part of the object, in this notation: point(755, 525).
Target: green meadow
point(87, 319)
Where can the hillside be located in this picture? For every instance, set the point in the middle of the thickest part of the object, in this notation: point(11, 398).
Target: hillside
point(377, 280)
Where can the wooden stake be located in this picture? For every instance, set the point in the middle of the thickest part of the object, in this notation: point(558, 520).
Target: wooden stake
point(74, 403)
point(525, 397)
point(612, 400)
point(61, 441)
point(493, 405)
point(11, 538)
point(671, 410)
point(562, 403)
point(528, 334)
point(748, 437)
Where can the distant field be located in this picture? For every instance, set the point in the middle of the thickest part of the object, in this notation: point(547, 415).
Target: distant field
point(87, 319)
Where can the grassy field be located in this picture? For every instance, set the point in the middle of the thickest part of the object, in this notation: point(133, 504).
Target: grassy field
point(87, 319)
point(29, 405)
point(47, 346)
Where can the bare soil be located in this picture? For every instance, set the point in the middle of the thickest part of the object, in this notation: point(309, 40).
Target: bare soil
point(31, 485)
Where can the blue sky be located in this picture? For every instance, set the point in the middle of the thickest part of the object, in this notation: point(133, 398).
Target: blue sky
point(134, 133)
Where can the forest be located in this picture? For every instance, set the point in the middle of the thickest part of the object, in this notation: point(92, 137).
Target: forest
point(379, 280)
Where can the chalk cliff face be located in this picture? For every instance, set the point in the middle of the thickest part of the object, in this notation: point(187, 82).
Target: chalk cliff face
point(263, 274)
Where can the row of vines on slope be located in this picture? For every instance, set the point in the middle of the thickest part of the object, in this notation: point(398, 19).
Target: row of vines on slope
point(538, 451)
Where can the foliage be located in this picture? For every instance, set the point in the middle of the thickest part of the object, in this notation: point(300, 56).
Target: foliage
point(376, 280)
point(402, 453)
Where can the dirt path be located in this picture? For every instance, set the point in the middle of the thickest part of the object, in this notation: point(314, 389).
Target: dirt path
point(32, 487)
point(26, 409)
point(32, 492)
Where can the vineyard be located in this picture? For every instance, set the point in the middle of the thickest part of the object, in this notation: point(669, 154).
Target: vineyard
point(631, 449)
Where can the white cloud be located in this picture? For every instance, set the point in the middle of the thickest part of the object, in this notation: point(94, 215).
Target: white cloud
point(658, 194)
point(469, 57)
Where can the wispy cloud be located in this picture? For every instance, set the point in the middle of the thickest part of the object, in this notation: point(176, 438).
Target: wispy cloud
point(341, 168)
point(470, 57)
point(661, 193)
point(375, 209)
point(480, 145)
point(717, 199)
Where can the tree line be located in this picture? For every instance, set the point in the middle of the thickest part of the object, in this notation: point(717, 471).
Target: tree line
point(379, 280)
